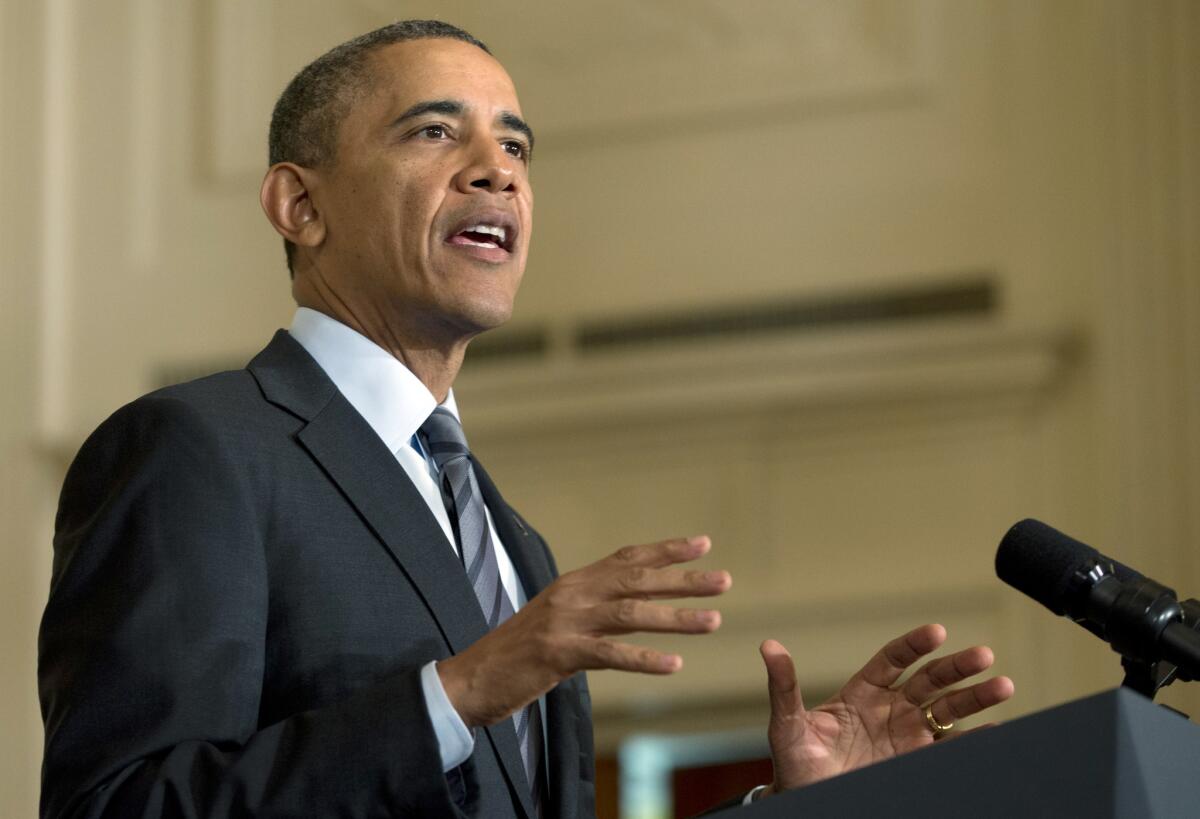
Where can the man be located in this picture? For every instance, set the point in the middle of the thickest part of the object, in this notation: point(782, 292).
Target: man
point(290, 591)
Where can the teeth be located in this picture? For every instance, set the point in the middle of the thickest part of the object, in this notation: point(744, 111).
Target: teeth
point(491, 230)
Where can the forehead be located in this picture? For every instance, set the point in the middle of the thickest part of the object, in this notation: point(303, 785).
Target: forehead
point(416, 70)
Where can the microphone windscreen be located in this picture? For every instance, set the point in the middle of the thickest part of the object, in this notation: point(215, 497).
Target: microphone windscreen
point(1039, 561)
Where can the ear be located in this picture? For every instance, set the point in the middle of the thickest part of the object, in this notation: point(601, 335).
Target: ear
point(286, 200)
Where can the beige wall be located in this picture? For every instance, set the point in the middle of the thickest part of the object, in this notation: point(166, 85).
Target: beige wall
point(24, 482)
point(856, 481)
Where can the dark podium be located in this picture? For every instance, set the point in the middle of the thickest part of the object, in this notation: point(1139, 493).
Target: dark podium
point(1114, 754)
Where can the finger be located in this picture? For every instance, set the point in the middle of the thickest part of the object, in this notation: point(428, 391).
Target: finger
point(663, 553)
point(782, 687)
point(630, 615)
point(644, 582)
point(961, 704)
point(944, 672)
point(965, 732)
point(893, 659)
point(596, 654)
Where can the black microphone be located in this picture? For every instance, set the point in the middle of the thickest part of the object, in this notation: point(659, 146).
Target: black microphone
point(1143, 620)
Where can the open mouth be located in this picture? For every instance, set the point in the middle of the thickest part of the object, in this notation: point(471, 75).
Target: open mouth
point(484, 235)
point(489, 234)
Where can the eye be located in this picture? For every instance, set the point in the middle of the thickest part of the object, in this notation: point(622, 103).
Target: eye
point(433, 131)
point(515, 148)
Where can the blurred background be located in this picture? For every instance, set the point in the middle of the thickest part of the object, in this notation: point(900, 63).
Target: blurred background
point(850, 285)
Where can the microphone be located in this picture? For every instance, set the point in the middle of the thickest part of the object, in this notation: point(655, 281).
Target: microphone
point(1141, 619)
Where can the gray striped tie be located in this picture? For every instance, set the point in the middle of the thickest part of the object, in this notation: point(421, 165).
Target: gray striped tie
point(444, 438)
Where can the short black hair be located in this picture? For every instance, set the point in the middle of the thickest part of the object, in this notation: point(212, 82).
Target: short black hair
point(304, 124)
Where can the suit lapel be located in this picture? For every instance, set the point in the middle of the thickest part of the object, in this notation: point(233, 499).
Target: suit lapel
point(371, 479)
point(562, 748)
point(378, 487)
point(524, 547)
point(535, 571)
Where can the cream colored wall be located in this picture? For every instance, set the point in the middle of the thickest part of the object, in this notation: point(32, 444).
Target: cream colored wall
point(857, 481)
point(25, 482)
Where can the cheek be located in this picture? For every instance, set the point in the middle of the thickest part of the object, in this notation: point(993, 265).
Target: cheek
point(416, 204)
point(526, 209)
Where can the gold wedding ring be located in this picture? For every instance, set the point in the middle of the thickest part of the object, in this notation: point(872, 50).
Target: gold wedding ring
point(935, 726)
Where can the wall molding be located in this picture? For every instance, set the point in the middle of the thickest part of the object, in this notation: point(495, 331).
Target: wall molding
point(832, 371)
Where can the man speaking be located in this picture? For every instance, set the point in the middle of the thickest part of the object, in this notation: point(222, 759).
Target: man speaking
point(290, 590)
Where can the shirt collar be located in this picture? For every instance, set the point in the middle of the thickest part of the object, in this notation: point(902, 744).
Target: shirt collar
point(391, 399)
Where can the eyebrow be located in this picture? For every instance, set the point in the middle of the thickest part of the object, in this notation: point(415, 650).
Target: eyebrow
point(514, 123)
point(454, 108)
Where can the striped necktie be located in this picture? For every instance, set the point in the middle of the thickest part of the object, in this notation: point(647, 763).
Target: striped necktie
point(447, 445)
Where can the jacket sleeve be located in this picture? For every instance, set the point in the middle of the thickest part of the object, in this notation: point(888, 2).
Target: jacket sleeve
point(153, 643)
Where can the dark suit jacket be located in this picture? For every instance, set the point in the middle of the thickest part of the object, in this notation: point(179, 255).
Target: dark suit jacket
point(245, 587)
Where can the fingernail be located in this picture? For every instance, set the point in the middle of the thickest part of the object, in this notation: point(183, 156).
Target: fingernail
point(715, 577)
point(698, 540)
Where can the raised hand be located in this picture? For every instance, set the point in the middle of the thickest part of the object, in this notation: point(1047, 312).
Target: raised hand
point(872, 718)
point(568, 628)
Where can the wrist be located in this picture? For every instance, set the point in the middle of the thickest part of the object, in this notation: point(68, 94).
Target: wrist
point(455, 740)
point(456, 682)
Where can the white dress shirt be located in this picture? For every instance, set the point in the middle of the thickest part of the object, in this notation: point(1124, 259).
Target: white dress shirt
point(394, 402)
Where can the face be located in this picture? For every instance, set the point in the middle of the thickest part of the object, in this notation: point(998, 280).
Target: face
point(427, 206)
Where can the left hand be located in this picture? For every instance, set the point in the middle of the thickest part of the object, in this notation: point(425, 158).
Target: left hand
point(869, 720)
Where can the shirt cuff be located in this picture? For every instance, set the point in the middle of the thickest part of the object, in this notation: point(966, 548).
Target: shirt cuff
point(455, 740)
point(750, 797)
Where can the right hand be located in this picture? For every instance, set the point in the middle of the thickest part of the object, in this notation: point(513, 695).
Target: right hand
point(566, 629)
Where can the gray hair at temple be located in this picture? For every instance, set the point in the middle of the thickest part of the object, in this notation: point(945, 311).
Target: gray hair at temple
point(304, 124)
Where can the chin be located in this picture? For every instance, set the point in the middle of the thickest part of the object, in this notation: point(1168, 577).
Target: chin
point(491, 320)
point(481, 316)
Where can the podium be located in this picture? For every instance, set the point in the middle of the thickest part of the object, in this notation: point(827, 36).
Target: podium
point(1115, 754)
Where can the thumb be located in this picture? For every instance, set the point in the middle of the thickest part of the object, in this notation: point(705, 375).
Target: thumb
point(786, 702)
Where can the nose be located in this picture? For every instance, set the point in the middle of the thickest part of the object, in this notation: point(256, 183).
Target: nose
point(489, 168)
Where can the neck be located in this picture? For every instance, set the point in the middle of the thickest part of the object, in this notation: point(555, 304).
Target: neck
point(435, 362)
